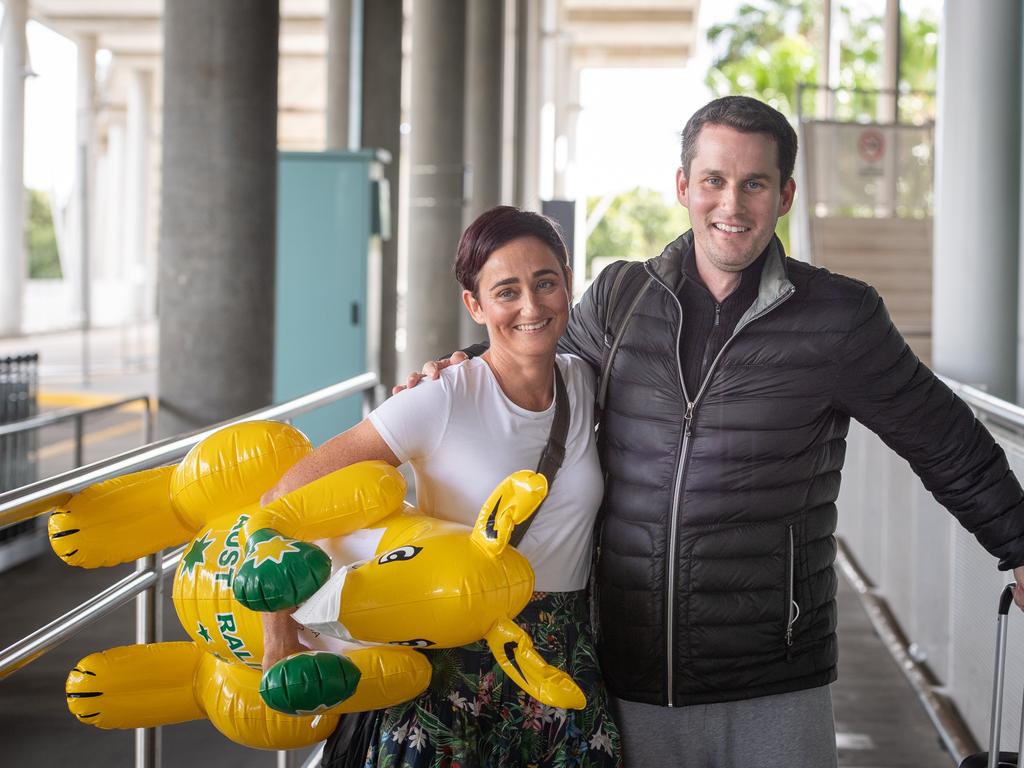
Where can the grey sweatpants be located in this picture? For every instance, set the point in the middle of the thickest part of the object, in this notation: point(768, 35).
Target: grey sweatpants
point(789, 730)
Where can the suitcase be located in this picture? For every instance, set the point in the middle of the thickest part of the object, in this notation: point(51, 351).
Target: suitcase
point(1002, 759)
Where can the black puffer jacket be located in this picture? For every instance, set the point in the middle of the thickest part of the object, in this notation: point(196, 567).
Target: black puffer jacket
point(715, 578)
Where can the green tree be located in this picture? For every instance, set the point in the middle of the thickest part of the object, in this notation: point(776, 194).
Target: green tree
point(919, 54)
point(766, 51)
point(636, 225)
point(41, 240)
point(773, 45)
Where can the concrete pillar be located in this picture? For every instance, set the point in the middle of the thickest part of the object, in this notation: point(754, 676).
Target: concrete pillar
point(888, 109)
point(136, 202)
point(509, 107)
point(527, 119)
point(339, 53)
point(112, 205)
point(977, 195)
point(217, 234)
point(436, 201)
point(484, 58)
point(381, 129)
point(890, 61)
point(78, 265)
point(823, 102)
point(549, 92)
point(567, 109)
point(13, 262)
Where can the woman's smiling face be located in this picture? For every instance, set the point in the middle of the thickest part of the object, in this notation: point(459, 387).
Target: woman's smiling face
point(522, 297)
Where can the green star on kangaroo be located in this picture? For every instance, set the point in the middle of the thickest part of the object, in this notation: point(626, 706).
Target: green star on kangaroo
point(196, 555)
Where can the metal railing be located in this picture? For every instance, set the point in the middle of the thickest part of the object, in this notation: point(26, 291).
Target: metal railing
point(928, 587)
point(989, 408)
point(19, 389)
point(78, 417)
point(145, 584)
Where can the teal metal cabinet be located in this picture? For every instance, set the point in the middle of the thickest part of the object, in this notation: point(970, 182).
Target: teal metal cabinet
point(328, 273)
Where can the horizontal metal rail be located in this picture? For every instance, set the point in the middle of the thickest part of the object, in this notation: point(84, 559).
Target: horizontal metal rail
point(989, 407)
point(37, 498)
point(33, 646)
point(145, 584)
point(57, 417)
point(40, 497)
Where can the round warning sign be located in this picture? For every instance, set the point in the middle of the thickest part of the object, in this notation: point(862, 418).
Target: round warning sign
point(871, 145)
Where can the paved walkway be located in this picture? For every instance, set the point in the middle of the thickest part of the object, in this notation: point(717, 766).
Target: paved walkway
point(880, 723)
point(77, 369)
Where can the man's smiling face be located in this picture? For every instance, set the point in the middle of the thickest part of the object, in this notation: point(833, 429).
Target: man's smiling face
point(734, 195)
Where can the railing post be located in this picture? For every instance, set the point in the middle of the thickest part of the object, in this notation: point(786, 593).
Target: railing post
point(148, 420)
point(149, 629)
point(79, 448)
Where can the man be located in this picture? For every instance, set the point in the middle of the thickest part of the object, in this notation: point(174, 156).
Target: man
point(729, 393)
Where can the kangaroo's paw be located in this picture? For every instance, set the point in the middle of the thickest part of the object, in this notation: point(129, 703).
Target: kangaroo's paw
point(279, 572)
point(307, 683)
point(135, 686)
point(519, 659)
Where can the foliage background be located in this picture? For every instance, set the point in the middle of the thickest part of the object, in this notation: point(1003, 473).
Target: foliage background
point(766, 51)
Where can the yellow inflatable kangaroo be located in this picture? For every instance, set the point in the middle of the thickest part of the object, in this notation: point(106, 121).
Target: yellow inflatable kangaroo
point(430, 583)
point(212, 499)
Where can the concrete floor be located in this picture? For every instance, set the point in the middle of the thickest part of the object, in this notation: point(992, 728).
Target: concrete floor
point(879, 722)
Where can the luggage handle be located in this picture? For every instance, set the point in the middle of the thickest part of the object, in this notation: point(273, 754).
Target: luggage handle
point(995, 726)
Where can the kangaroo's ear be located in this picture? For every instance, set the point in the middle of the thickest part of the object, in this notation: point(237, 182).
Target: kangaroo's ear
point(512, 502)
point(518, 658)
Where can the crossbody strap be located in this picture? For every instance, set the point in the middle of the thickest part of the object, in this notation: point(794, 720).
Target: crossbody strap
point(553, 455)
point(615, 327)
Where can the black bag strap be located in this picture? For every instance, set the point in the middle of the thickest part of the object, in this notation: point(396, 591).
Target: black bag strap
point(553, 455)
point(614, 328)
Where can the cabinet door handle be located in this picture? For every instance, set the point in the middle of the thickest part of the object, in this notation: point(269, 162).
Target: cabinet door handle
point(355, 313)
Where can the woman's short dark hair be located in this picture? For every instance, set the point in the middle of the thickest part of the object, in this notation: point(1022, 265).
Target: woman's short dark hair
point(496, 228)
point(748, 115)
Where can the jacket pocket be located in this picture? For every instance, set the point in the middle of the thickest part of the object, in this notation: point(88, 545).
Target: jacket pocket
point(791, 609)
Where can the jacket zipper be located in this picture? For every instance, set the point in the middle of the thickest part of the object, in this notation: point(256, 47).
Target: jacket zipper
point(792, 608)
point(691, 406)
point(680, 467)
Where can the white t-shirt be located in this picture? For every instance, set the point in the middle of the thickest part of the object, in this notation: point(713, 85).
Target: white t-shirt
point(463, 436)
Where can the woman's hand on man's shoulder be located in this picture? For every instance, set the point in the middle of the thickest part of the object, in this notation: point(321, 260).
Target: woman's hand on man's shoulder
point(431, 370)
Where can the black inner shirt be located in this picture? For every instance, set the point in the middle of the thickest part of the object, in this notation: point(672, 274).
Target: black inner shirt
point(708, 324)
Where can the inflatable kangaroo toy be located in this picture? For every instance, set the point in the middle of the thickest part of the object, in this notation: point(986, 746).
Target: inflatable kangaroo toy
point(212, 499)
point(430, 583)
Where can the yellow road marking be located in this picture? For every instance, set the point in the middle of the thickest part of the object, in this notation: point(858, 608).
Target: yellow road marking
point(83, 400)
point(68, 446)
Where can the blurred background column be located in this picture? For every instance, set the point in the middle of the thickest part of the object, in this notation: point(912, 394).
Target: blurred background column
point(217, 239)
point(528, 98)
point(436, 199)
point(977, 195)
point(136, 212)
point(484, 102)
point(383, 22)
point(13, 265)
point(77, 269)
point(339, 53)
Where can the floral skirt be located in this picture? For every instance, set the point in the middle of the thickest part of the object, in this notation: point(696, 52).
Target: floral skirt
point(473, 716)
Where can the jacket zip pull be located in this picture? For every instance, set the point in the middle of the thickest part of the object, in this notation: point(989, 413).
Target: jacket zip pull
point(688, 418)
point(718, 314)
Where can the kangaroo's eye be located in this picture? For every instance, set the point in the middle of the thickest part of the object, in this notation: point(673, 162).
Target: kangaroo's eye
point(402, 553)
point(418, 643)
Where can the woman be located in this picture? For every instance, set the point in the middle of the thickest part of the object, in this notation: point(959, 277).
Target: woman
point(463, 434)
